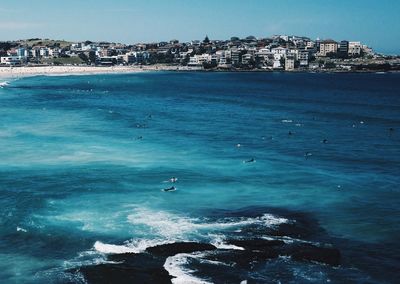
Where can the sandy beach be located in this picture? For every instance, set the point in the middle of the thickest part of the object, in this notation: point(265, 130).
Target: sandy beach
point(24, 71)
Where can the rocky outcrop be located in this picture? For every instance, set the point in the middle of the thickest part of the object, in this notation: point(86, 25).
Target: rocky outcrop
point(258, 243)
point(175, 248)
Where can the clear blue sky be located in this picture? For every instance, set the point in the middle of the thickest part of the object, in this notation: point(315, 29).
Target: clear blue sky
point(376, 23)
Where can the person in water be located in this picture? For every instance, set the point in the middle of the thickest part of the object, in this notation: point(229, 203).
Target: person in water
point(252, 160)
point(172, 188)
point(173, 179)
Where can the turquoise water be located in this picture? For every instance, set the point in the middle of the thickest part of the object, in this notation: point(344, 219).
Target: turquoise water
point(84, 160)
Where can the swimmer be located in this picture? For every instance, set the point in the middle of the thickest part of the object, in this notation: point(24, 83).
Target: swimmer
point(307, 154)
point(173, 179)
point(172, 188)
point(325, 141)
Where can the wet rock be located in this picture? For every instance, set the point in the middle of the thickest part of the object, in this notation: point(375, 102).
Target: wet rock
point(242, 258)
point(175, 248)
point(256, 244)
point(310, 252)
point(130, 268)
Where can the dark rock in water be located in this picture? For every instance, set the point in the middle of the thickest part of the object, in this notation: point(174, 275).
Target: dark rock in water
point(175, 248)
point(256, 244)
point(310, 252)
point(242, 258)
point(132, 268)
point(139, 268)
point(261, 250)
point(260, 242)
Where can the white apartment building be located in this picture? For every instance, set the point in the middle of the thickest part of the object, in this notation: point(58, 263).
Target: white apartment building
point(355, 48)
point(12, 60)
point(289, 63)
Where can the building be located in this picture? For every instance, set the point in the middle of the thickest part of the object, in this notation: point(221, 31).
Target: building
point(310, 45)
point(44, 52)
point(106, 61)
point(247, 59)
point(224, 59)
point(289, 63)
point(22, 52)
point(198, 60)
point(343, 48)
point(54, 52)
point(327, 47)
point(304, 57)
point(235, 56)
point(12, 60)
point(355, 48)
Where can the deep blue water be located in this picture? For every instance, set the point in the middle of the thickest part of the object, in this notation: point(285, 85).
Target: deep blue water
point(84, 159)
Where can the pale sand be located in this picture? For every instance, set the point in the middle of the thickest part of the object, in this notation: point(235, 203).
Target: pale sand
point(24, 71)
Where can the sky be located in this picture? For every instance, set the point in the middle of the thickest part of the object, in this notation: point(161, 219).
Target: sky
point(375, 23)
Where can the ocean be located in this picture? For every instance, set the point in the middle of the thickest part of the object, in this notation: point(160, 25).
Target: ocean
point(305, 160)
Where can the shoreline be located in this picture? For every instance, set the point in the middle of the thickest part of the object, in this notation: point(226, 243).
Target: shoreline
point(31, 71)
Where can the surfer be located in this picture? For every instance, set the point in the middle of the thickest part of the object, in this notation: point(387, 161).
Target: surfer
point(307, 154)
point(172, 188)
point(173, 179)
point(252, 160)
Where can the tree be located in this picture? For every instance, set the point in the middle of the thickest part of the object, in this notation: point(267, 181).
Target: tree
point(209, 65)
point(206, 40)
point(92, 57)
point(282, 61)
point(83, 57)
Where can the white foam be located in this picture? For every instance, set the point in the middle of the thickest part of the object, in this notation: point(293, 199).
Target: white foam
point(136, 246)
point(175, 267)
point(287, 120)
point(219, 242)
point(19, 229)
point(4, 84)
point(115, 249)
point(171, 226)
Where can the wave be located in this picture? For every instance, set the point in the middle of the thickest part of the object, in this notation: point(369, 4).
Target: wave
point(175, 265)
point(134, 246)
point(173, 227)
point(4, 84)
point(219, 242)
point(162, 227)
point(20, 229)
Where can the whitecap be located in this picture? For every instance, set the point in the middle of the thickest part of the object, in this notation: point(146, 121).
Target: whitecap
point(20, 229)
point(175, 267)
point(171, 226)
point(287, 120)
point(219, 242)
point(135, 246)
point(4, 84)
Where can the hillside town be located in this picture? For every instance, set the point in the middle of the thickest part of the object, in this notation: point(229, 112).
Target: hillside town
point(279, 52)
